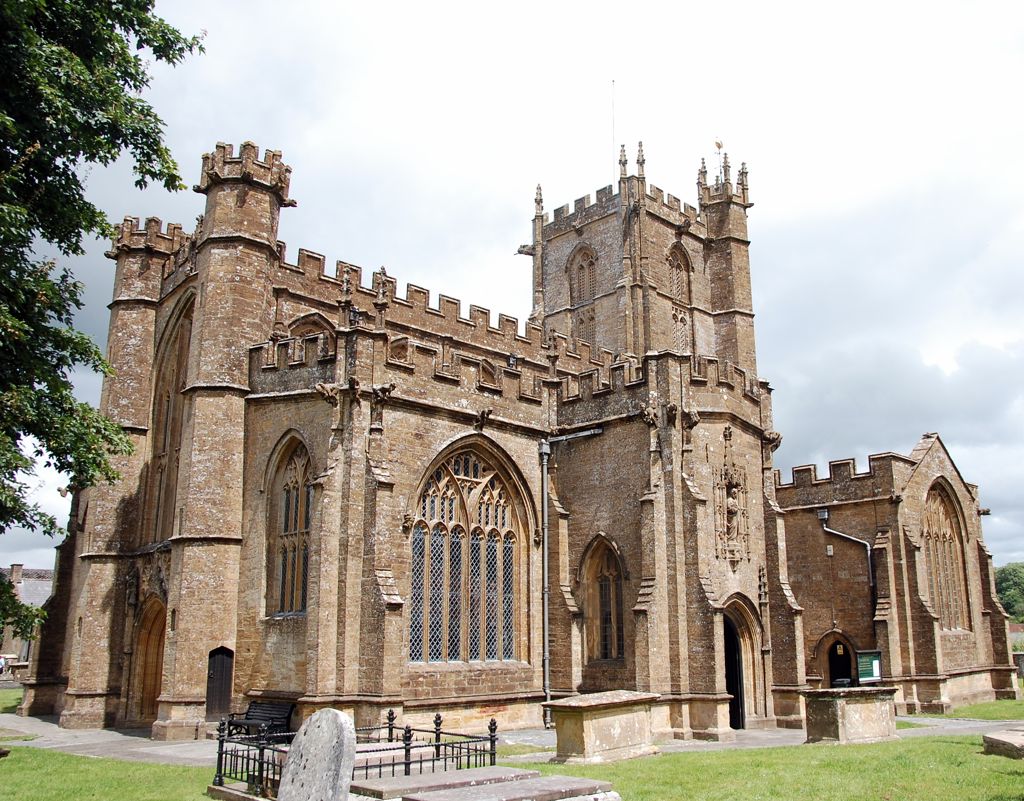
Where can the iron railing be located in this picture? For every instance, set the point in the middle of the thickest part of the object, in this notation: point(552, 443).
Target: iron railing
point(385, 750)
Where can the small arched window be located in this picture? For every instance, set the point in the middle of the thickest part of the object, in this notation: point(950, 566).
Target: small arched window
point(288, 546)
point(602, 578)
point(583, 276)
point(465, 565)
point(943, 547)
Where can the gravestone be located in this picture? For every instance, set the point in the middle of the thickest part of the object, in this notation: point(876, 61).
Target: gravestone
point(319, 764)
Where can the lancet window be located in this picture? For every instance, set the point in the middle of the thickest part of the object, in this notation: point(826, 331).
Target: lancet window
point(602, 577)
point(465, 573)
point(943, 547)
point(288, 545)
point(678, 275)
point(170, 409)
point(583, 277)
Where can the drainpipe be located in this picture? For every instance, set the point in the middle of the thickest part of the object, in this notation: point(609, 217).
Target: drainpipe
point(823, 517)
point(545, 453)
point(544, 448)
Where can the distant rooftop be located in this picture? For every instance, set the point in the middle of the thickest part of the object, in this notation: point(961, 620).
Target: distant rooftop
point(35, 584)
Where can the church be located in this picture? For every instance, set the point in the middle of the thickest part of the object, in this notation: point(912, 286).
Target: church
point(347, 495)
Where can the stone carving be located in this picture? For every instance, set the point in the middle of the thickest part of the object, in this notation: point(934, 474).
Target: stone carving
point(131, 588)
point(731, 520)
point(381, 394)
point(320, 760)
point(482, 417)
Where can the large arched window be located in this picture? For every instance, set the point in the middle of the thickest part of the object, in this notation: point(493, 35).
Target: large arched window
point(465, 574)
point(170, 408)
point(291, 510)
point(942, 543)
point(583, 276)
point(602, 579)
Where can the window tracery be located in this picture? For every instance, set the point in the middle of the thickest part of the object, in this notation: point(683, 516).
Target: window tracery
point(678, 275)
point(943, 547)
point(465, 574)
point(583, 277)
point(170, 409)
point(288, 545)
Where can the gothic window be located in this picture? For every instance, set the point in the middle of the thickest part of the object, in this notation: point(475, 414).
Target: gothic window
point(678, 275)
point(942, 544)
point(288, 543)
point(465, 571)
point(602, 578)
point(583, 277)
point(170, 408)
point(586, 329)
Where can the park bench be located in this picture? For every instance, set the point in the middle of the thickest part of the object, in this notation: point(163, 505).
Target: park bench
point(275, 715)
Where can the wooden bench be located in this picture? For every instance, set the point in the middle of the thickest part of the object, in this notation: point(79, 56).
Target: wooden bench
point(275, 715)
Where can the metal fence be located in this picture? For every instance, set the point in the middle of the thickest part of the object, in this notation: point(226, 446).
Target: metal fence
point(386, 750)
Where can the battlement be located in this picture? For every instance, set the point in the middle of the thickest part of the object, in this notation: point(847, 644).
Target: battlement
point(345, 282)
point(605, 199)
point(150, 237)
point(843, 484)
point(222, 166)
point(669, 205)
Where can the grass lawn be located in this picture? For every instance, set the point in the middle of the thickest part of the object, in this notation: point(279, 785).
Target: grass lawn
point(904, 724)
point(919, 769)
point(989, 710)
point(51, 776)
point(9, 700)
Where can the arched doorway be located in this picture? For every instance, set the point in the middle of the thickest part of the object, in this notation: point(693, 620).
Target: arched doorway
point(149, 654)
point(218, 682)
point(840, 665)
point(734, 674)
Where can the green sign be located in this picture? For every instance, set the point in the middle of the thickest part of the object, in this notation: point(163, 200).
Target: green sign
point(869, 666)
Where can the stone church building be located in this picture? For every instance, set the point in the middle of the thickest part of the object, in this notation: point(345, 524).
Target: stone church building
point(345, 495)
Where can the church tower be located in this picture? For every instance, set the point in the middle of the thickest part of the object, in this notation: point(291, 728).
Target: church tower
point(638, 271)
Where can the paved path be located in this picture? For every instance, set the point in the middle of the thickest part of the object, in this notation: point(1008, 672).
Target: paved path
point(130, 744)
point(135, 745)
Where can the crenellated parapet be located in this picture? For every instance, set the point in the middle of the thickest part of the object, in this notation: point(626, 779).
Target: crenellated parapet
point(149, 237)
point(843, 483)
point(270, 173)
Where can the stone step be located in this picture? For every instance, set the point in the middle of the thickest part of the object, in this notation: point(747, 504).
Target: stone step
point(541, 788)
point(400, 786)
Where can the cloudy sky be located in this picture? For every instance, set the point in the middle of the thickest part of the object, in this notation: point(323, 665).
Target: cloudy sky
point(883, 143)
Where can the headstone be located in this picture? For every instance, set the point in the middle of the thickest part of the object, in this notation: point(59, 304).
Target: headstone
point(319, 764)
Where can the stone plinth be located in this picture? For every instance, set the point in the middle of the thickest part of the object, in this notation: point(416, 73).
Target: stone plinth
point(603, 727)
point(852, 715)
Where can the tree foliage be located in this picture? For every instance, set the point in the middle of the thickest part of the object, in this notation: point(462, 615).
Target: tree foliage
point(70, 96)
point(1010, 589)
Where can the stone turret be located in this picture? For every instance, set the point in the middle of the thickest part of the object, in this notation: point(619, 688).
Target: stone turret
point(724, 206)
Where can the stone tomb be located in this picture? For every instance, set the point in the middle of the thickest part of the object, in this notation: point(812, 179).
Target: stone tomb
point(319, 764)
point(851, 715)
point(603, 727)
